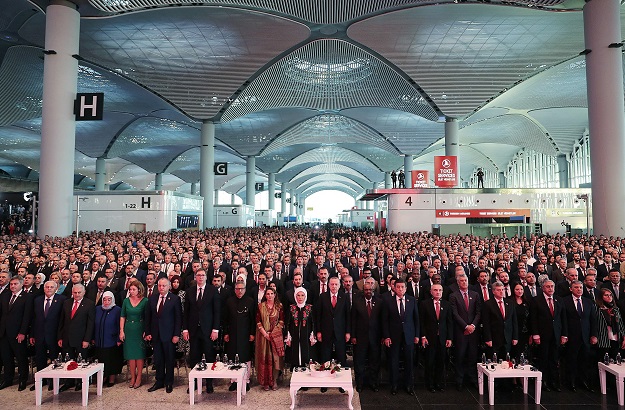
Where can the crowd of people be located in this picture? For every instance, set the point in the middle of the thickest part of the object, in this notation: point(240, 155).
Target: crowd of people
point(278, 298)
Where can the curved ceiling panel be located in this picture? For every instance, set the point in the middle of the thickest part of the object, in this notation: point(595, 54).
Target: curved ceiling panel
point(338, 169)
point(462, 55)
point(148, 132)
point(155, 158)
point(325, 155)
point(250, 134)
point(565, 125)
point(324, 178)
point(330, 130)
point(410, 133)
point(209, 51)
point(17, 136)
point(329, 185)
point(329, 75)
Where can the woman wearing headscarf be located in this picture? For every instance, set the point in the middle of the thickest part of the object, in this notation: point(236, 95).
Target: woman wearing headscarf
point(300, 333)
point(107, 342)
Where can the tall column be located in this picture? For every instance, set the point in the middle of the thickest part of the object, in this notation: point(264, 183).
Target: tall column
point(207, 172)
point(58, 126)
point(158, 181)
point(387, 180)
point(216, 197)
point(452, 146)
point(303, 209)
point(293, 200)
point(563, 171)
point(283, 200)
point(272, 190)
point(232, 199)
point(408, 170)
point(250, 181)
point(100, 174)
point(503, 183)
point(604, 80)
point(193, 188)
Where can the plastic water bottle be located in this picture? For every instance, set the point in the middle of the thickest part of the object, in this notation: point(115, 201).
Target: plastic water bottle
point(225, 358)
point(483, 358)
point(236, 359)
point(204, 360)
point(310, 365)
point(494, 357)
point(66, 357)
point(217, 359)
point(79, 358)
point(59, 358)
point(522, 360)
point(507, 357)
point(606, 359)
point(618, 359)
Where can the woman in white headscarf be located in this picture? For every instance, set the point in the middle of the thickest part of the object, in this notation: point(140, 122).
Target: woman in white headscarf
point(300, 332)
point(107, 343)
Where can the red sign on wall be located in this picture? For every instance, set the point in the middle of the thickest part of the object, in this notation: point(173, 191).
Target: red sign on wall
point(446, 171)
point(420, 178)
point(481, 213)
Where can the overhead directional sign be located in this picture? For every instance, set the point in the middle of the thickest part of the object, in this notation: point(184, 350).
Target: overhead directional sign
point(260, 186)
point(221, 168)
point(89, 106)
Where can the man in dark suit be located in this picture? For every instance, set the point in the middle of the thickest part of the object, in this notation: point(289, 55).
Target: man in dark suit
point(549, 330)
point(483, 287)
point(590, 288)
point(319, 286)
point(163, 321)
point(366, 336)
point(76, 327)
point(95, 293)
point(435, 317)
point(15, 316)
point(500, 330)
point(400, 330)
point(333, 322)
point(47, 310)
point(466, 309)
point(615, 285)
point(201, 321)
point(582, 333)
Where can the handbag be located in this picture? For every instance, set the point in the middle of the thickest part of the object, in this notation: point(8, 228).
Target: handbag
point(277, 343)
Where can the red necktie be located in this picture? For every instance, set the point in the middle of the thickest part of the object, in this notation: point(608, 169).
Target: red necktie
point(74, 309)
point(485, 293)
point(438, 309)
point(550, 306)
point(149, 292)
point(503, 311)
point(323, 288)
point(333, 301)
point(466, 300)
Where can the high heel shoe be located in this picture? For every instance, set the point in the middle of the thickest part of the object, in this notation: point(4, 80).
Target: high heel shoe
point(274, 386)
point(137, 385)
point(131, 384)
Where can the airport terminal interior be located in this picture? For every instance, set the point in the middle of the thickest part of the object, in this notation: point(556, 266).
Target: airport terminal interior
point(203, 105)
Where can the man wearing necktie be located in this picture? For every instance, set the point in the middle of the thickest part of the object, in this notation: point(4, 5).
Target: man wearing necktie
point(333, 322)
point(582, 333)
point(366, 334)
point(548, 328)
point(15, 315)
point(201, 321)
point(76, 327)
point(400, 330)
point(614, 284)
point(436, 333)
point(499, 323)
point(47, 310)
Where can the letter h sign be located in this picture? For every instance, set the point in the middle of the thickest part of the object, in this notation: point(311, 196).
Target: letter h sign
point(89, 106)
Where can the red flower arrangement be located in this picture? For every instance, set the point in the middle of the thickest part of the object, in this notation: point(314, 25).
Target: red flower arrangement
point(72, 365)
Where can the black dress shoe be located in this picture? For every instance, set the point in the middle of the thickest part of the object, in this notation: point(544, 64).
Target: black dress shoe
point(50, 386)
point(233, 386)
point(324, 389)
point(209, 388)
point(4, 385)
point(375, 388)
point(78, 386)
point(410, 391)
point(459, 386)
point(359, 388)
point(155, 387)
point(556, 388)
point(341, 390)
point(572, 388)
point(169, 388)
point(546, 387)
point(587, 387)
point(65, 387)
point(440, 388)
point(22, 386)
point(394, 391)
point(32, 388)
point(301, 388)
point(432, 389)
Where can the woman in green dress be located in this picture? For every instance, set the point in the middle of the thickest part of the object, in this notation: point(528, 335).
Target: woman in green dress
point(131, 331)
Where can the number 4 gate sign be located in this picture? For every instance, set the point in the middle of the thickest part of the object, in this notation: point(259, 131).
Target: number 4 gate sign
point(446, 171)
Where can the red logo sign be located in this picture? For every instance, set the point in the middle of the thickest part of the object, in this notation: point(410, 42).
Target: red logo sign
point(420, 178)
point(480, 213)
point(446, 171)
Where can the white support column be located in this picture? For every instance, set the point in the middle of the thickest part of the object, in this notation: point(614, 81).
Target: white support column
point(272, 190)
point(502, 180)
point(100, 174)
point(193, 188)
point(452, 145)
point(283, 200)
point(293, 200)
point(216, 201)
point(207, 172)
point(158, 181)
point(604, 80)
point(387, 180)
point(408, 170)
point(250, 181)
point(58, 125)
point(232, 199)
point(563, 171)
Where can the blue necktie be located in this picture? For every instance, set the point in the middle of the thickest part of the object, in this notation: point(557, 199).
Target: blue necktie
point(579, 307)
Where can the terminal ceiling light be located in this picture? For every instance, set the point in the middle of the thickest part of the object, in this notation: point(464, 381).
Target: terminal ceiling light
point(320, 71)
